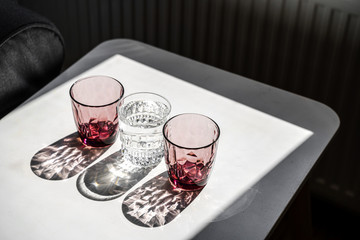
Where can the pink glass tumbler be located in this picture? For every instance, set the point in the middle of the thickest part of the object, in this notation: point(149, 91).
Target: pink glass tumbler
point(95, 102)
point(191, 142)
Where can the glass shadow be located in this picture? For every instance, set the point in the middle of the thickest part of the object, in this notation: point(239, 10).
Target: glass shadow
point(64, 159)
point(156, 203)
point(110, 178)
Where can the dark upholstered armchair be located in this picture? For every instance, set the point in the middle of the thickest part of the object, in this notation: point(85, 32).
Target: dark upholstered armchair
point(31, 54)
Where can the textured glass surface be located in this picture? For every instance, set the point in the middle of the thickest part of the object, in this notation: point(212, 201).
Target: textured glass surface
point(191, 142)
point(95, 102)
point(142, 116)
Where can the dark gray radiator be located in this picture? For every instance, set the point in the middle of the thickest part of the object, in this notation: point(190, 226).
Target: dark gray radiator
point(310, 47)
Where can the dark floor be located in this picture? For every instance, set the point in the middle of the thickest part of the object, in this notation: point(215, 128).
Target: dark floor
point(315, 218)
point(331, 222)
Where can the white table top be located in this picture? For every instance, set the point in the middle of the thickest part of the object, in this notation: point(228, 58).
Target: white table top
point(251, 144)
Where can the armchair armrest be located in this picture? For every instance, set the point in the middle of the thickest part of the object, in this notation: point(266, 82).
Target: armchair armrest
point(31, 54)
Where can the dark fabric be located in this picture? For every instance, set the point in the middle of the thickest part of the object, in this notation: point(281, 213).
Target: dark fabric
point(31, 54)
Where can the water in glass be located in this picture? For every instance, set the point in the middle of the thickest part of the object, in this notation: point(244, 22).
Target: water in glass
point(141, 124)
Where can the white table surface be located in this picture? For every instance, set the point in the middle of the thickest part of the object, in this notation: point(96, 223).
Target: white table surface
point(251, 144)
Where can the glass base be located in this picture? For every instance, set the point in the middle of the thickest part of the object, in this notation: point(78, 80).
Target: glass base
point(98, 142)
point(185, 187)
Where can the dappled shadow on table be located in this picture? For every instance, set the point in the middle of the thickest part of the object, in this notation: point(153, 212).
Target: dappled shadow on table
point(64, 158)
point(110, 178)
point(156, 203)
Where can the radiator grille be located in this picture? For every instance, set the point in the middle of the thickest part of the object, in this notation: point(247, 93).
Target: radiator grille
point(310, 47)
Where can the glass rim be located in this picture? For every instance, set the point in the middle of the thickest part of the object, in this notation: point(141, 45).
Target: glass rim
point(193, 148)
point(96, 106)
point(150, 93)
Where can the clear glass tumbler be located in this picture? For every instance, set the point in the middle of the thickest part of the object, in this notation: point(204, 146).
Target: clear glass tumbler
point(142, 116)
point(191, 142)
point(95, 103)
